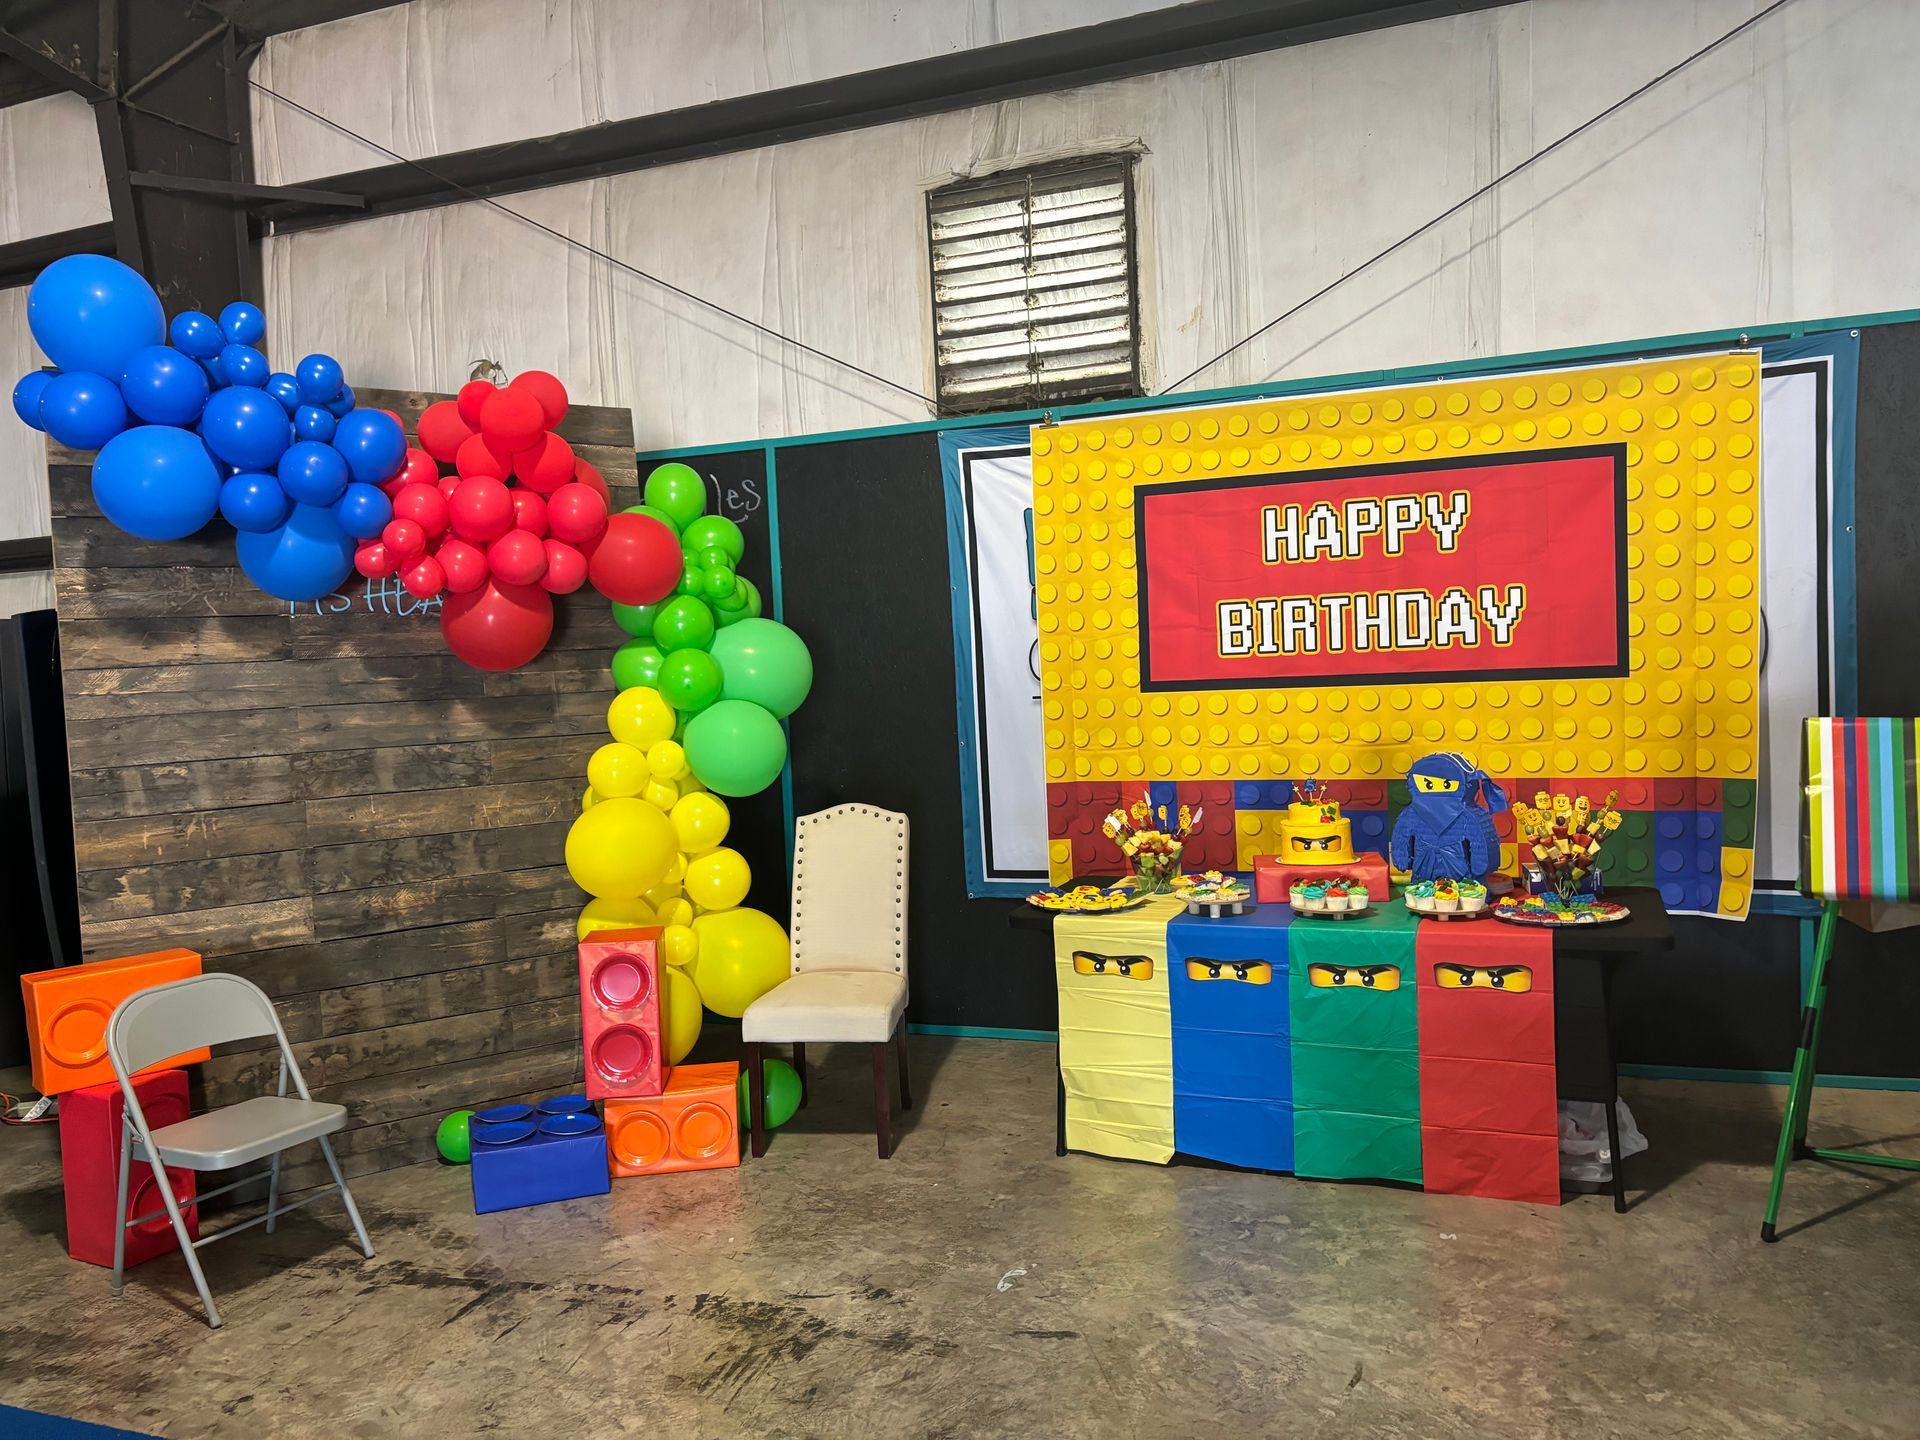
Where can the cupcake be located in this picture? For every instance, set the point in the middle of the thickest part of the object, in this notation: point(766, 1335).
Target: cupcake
point(1473, 896)
point(1313, 895)
point(1446, 897)
point(1420, 896)
point(1297, 895)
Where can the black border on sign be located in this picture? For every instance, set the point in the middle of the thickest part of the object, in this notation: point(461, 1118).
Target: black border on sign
point(1620, 666)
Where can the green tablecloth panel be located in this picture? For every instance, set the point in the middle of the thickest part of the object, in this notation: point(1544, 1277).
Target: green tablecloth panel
point(1373, 1082)
point(1341, 1145)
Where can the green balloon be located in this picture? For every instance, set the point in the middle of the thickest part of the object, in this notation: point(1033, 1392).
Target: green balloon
point(719, 582)
point(684, 623)
point(637, 663)
point(693, 581)
point(753, 601)
point(766, 663)
point(714, 558)
point(716, 531)
point(743, 604)
point(455, 1144)
point(735, 747)
point(782, 1097)
point(636, 620)
point(662, 516)
point(690, 679)
point(679, 491)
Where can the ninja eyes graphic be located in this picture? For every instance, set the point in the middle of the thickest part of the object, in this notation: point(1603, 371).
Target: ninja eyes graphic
point(1250, 972)
point(1514, 979)
point(1354, 977)
point(1315, 844)
point(1127, 967)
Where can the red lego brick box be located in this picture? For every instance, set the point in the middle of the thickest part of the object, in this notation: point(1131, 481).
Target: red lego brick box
point(90, 1158)
point(1272, 879)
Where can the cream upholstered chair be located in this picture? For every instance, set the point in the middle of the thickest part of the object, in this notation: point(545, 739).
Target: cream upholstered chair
point(849, 980)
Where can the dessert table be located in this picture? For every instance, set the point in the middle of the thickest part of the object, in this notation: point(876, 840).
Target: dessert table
point(1582, 1056)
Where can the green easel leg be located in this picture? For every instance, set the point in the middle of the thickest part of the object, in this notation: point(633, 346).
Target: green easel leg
point(1793, 1125)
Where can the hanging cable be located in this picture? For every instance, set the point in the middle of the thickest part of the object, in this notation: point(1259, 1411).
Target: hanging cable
point(1484, 190)
point(567, 239)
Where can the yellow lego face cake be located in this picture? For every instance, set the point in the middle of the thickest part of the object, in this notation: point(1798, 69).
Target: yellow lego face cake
point(1315, 834)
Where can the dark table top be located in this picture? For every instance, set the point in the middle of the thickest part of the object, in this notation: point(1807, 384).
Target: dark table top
point(1646, 928)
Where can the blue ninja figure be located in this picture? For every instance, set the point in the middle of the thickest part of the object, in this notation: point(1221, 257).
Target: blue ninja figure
point(1444, 833)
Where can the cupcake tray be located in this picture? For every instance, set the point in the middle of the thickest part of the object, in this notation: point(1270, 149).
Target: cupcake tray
point(1363, 911)
point(1216, 909)
point(1482, 913)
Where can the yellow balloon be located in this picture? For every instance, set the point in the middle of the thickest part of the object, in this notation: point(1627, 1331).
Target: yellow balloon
point(676, 873)
point(718, 880)
point(667, 759)
point(690, 784)
point(612, 915)
point(700, 820)
point(662, 794)
point(619, 848)
point(743, 955)
point(680, 945)
point(616, 771)
point(640, 717)
point(679, 1012)
point(663, 893)
point(587, 799)
point(675, 912)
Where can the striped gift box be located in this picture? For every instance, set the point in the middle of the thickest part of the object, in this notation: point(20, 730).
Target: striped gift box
point(1860, 823)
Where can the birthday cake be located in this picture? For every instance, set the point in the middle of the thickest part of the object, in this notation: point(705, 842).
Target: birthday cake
point(1313, 832)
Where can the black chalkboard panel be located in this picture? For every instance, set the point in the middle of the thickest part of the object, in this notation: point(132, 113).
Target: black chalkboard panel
point(863, 555)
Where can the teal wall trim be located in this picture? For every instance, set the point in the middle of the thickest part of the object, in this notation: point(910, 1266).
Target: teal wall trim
point(985, 1032)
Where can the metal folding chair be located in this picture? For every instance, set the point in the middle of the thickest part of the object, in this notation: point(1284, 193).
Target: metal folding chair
point(152, 1025)
point(1859, 840)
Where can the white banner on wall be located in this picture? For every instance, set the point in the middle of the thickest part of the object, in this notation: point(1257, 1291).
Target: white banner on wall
point(1807, 404)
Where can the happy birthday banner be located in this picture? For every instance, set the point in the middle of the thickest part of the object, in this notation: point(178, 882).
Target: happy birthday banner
point(1556, 574)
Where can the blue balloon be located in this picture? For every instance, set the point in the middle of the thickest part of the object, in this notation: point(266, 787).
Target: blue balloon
point(82, 411)
point(314, 422)
point(363, 512)
point(320, 379)
point(243, 365)
point(243, 324)
point(26, 395)
point(91, 313)
point(305, 558)
point(284, 388)
point(374, 445)
point(342, 404)
point(156, 482)
point(312, 473)
point(254, 502)
point(216, 377)
point(194, 333)
point(246, 427)
point(164, 387)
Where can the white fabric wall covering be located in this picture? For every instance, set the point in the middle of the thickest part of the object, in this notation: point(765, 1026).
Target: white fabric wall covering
point(1766, 183)
point(50, 157)
point(437, 76)
point(25, 508)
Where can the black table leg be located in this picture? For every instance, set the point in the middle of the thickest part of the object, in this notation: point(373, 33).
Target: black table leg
point(1619, 1162)
point(1613, 1095)
point(1059, 1108)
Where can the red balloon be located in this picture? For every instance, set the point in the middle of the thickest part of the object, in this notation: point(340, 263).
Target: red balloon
point(546, 465)
point(419, 468)
point(529, 512)
point(498, 627)
point(480, 456)
point(576, 513)
point(464, 565)
point(404, 539)
point(587, 475)
point(371, 559)
point(448, 484)
point(482, 510)
point(512, 418)
point(636, 560)
point(442, 431)
point(566, 568)
point(424, 578)
point(472, 396)
point(517, 558)
point(547, 391)
point(424, 505)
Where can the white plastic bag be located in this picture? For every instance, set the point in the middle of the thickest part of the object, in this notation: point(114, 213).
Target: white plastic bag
point(1583, 1140)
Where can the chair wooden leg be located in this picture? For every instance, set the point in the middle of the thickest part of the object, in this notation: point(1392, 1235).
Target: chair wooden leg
point(906, 1081)
point(882, 1102)
point(800, 1069)
point(756, 1099)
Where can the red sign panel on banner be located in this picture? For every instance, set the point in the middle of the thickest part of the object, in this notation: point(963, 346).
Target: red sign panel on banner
point(1442, 569)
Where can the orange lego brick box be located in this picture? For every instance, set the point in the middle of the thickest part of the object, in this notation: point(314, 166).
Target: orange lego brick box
point(68, 1009)
point(694, 1124)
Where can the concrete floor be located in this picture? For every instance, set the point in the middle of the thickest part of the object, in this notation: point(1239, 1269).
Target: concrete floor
point(977, 1285)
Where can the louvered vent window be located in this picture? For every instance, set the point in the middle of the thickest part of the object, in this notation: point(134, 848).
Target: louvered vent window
point(1034, 299)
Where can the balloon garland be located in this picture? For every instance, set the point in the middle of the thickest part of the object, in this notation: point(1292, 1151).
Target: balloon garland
point(190, 421)
point(704, 682)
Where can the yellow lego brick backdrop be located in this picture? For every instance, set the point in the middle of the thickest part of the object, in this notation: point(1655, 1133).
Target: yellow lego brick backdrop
point(1555, 573)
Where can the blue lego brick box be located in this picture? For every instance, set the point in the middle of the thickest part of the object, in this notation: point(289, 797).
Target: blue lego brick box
point(536, 1154)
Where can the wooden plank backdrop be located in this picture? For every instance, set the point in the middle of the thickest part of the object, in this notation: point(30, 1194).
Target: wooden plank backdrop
point(323, 799)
